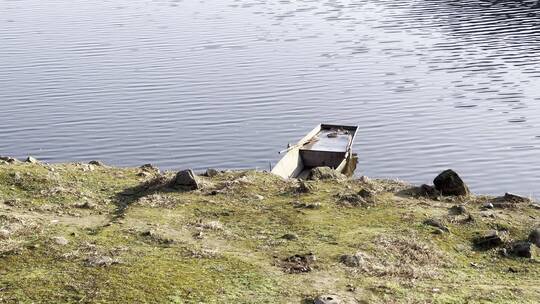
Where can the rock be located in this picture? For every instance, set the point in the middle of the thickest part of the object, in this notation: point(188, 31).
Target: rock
point(144, 174)
point(31, 160)
point(450, 184)
point(350, 260)
point(307, 205)
point(327, 299)
point(96, 163)
point(427, 191)
point(437, 224)
point(364, 179)
point(259, 197)
point(186, 179)
point(513, 198)
point(149, 168)
point(86, 205)
point(101, 261)
point(4, 234)
point(458, 210)
point(211, 172)
point(321, 173)
point(157, 237)
point(491, 240)
point(59, 240)
point(367, 194)
point(290, 237)
point(9, 160)
point(521, 249)
point(299, 263)
point(488, 206)
point(534, 237)
point(354, 200)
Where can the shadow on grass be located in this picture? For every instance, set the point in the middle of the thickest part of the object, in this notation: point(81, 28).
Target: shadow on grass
point(124, 199)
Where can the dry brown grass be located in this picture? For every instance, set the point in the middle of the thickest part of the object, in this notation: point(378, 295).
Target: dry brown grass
point(401, 256)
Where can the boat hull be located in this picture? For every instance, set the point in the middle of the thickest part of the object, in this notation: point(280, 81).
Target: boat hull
point(325, 146)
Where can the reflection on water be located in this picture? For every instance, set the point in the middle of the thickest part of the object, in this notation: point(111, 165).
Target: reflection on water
point(223, 83)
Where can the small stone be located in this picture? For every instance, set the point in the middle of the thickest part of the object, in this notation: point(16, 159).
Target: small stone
point(211, 172)
point(367, 194)
point(350, 260)
point(427, 191)
point(259, 197)
point(144, 174)
point(4, 234)
point(9, 160)
point(364, 179)
point(534, 237)
point(31, 160)
point(96, 163)
point(86, 205)
point(306, 205)
point(458, 210)
point(514, 198)
point(488, 206)
point(491, 240)
point(290, 237)
point(149, 167)
point(512, 270)
point(101, 261)
point(59, 240)
point(437, 224)
point(449, 183)
point(327, 299)
point(186, 179)
point(299, 263)
point(521, 249)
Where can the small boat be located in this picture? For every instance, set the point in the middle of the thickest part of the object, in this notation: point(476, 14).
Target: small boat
point(325, 146)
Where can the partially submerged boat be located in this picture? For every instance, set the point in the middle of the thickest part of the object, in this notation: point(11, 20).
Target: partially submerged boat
point(325, 146)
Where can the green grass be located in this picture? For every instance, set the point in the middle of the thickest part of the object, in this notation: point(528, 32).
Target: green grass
point(227, 247)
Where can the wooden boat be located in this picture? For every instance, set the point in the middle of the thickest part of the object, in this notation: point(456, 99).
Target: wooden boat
point(325, 146)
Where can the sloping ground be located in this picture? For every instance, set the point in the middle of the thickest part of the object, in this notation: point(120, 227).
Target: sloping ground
point(95, 234)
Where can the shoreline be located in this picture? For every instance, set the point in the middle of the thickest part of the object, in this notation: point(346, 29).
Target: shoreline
point(96, 233)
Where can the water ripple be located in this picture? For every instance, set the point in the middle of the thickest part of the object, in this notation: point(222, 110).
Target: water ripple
point(222, 83)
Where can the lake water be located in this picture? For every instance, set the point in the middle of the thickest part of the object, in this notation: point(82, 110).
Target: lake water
point(432, 84)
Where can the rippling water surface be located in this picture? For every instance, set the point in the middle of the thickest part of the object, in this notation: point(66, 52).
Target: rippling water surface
point(216, 83)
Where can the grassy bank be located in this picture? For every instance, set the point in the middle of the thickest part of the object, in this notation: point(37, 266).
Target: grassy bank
point(97, 234)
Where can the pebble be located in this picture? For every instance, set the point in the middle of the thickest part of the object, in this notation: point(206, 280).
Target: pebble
point(4, 233)
point(59, 240)
point(327, 299)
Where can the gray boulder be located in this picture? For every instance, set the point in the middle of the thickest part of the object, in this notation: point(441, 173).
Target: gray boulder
point(449, 183)
point(31, 160)
point(521, 249)
point(186, 179)
point(491, 240)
